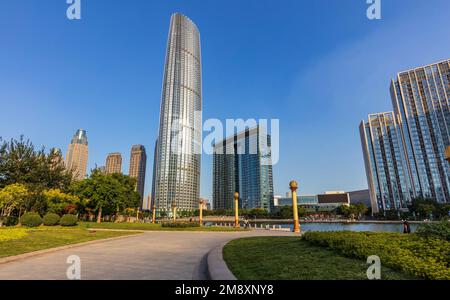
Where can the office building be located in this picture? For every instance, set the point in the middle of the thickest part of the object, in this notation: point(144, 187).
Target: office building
point(113, 163)
point(138, 164)
point(384, 162)
point(420, 99)
point(242, 164)
point(179, 146)
point(77, 155)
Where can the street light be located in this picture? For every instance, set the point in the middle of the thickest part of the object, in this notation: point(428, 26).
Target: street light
point(236, 210)
point(174, 208)
point(201, 202)
point(447, 154)
point(154, 214)
point(293, 186)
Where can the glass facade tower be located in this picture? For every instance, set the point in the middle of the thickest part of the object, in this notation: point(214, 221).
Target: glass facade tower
point(238, 167)
point(77, 155)
point(421, 104)
point(384, 161)
point(178, 154)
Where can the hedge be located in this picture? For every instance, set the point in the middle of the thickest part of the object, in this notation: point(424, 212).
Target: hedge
point(68, 220)
point(424, 257)
point(31, 219)
point(51, 219)
point(180, 224)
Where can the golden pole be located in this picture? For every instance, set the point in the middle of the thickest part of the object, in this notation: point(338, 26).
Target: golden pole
point(293, 186)
point(236, 210)
point(201, 212)
point(174, 207)
point(447, 154)
point(154, 214)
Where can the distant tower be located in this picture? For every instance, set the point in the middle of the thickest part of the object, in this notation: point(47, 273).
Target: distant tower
point(77, 155)
point(138, 162)
point(114, 163)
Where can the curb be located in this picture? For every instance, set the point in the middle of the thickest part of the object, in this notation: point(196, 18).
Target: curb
point(217, 268)
point(45, 251)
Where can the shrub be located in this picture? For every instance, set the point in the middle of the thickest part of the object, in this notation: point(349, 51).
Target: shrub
point(68, 220)
point(180, 224)
point(31, 219)
point(10, 221)
point(51, 219)
point(439, 230)
point(428, 258)
point(9, 234)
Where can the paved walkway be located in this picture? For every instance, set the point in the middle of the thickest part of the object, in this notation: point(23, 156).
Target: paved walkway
point(152, 255)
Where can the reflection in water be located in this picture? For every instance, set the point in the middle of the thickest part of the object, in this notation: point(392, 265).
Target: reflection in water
point(351, 227)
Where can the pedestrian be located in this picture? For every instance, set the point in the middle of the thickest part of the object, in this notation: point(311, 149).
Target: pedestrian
point(406, 227)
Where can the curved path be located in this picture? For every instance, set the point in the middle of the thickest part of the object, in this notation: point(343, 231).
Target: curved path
point(151, 255)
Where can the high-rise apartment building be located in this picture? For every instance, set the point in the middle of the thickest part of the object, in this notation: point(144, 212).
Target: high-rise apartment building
point(421, 104)
point(242, 163)
point(113, 163)
point(138, 164)
point(177, 178)
point(77, 155)
point(383, 157)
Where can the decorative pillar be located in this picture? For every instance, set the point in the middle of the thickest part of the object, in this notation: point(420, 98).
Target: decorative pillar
point(236, 210)
point(154, 214)
point(201, 202)
point(174, 209)
point(293, 186)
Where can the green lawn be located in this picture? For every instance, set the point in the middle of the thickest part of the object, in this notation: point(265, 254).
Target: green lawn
point(153, 227)
point(290, 258)
point(14, 241)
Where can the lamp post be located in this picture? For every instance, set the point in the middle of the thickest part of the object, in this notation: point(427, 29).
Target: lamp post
point(154, 214)
point(293, 186)
point(447, 154)
point(174, 208)
point(201, 202)
point(236, 210)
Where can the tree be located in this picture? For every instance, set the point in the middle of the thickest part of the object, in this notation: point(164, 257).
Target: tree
point(21, 163)
point(12, 197)
point(107, 194)
point(60, 203)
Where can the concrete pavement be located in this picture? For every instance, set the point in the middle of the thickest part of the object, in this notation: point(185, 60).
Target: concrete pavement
point(151, 255)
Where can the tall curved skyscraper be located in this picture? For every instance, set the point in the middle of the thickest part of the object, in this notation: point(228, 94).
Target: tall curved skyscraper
point(178, 150)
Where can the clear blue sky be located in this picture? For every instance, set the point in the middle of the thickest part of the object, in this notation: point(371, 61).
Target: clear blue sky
point(320, 66)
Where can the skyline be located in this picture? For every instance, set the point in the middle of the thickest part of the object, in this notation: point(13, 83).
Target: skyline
point(308, 167)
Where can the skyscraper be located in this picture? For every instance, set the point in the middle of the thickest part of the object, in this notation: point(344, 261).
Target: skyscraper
point(113, 163)
point(177, 178)
point(384, 161)
point(57, 158)
point(421, 104)
point(242, 164)
point(77, 155)
point(138, 164)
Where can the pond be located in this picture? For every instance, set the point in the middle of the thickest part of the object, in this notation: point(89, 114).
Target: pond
point(377, 227)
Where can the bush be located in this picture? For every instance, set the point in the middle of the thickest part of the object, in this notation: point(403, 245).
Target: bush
point(439, 230)
point(31, 219)
point(427, 258)
point(10, 221)
point(180, 224)
point(68, 220)
point(51, 219)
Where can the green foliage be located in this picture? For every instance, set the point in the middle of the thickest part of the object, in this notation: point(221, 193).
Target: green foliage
point(31, 219)
point(426, 208)
point(21, 163)
point(106, 193)
point(51, 219)
point(68, 220)
point(180, 224)
point(428, 258)
point(11, 221)
point(12, 197)
point(59, 202)
point(439, 230)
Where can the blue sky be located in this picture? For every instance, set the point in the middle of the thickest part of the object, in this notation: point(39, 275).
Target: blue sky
point(320, 66)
